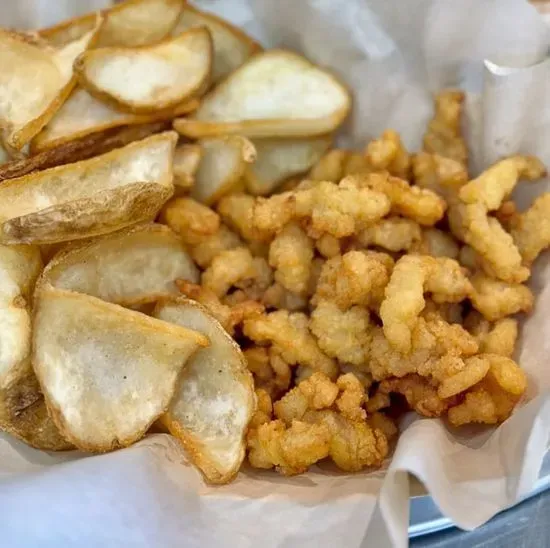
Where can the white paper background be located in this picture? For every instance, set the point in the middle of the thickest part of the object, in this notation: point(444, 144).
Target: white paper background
point(393, 53)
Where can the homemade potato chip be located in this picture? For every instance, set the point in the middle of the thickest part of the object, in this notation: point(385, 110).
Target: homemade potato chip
point(82, 114)
point(22, 410)
point(107, 372)
point(89, 198)
point(187, 159)
point(134, 266)
point(35, 80)
point(223, 164)
point(305, 101)
point(232, 47)
point(149, 78)
point(215, 400)
point(80, 149)
point(70, 30)
point(279, 159)
point(139, 22)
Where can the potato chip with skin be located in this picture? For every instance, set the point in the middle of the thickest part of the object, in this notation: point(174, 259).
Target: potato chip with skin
point(279, 159)
point(34, 82)
point(80, 149)
point(149, 78)
point(134, 266)
point(70, 30)
point(139, 22)
point(89, 198)
point(22, 410)
point(82, 114)
point(107, 373)
point(224, 163)
point(232, 47)
point(187, 159)
point(276, 93)
point(215, 400)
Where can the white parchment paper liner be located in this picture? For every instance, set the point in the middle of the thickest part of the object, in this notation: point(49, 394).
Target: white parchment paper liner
point(394, 54)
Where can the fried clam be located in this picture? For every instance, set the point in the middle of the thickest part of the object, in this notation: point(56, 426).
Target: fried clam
point(36, 79)
point(107, 373)
point(187, 159)
point(307, 100)
point(89, 198)
point(22, 410)
point(232, 47)
point(215, 400)
point(149, 78)
point(134, 266)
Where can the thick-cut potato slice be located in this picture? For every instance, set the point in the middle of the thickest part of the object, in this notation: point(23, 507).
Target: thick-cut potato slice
point(81, 149)
point(139, 22)
point(224, 162)
point(106, 372)
point(82, 114)
point(35, 80)
point(149, 78)
point(232, 47)
point(279, 159)
point(187, 159)
point(133, 266)
point(70, 30)
point(89, 198)
point(215, 400)
point(22, 410)
point(276, 93)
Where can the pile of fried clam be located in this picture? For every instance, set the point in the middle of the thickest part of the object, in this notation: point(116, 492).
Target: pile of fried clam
point(241, 284)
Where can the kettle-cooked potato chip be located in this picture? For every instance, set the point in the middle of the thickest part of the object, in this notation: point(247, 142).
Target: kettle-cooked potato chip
point(224, 162)
point(279, 159)
point(232, 47)
point(22, 410)
point(139, 22)
point(82, 114)
point(276, 93)
point(106, 372)
point(34, 81)
point(215, 399)
point(89, 198)
point(187, 159)
point(149, 78)
point(133, 266)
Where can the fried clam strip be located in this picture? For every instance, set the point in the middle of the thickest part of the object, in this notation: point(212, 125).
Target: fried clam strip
point(215, 401)
point(419, 204)
point(394, 234)
point(435, 346)
point(271, 373)
point(107, 394)
point(337, 163)
point(355, 278)
point(492, 400)
point(438, 173)
point(444, 135)
point(315, 420)
point(290, 335)
point(89, 198)
point(436, 243)
point(336, 209)
point(148, 78)
point(484, 233)
point(388, 153)
point(134, 266)
point(230, 317)
point(531, 229)
point(497, 337)
point(22, 409)
point(496, 299)
point(36, 79)
point(237, 268)
point(413, 276)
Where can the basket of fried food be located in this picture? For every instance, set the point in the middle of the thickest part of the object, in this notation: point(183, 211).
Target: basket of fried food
point(183, 248)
